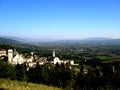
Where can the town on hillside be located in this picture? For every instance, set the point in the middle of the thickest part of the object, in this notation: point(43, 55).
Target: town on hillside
point(15, 58)
point(88, 74)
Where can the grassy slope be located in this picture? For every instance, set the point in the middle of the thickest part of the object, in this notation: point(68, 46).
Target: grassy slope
point(6, 84)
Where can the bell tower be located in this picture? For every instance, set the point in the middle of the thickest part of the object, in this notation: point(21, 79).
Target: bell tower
point(10, 55)
point(53, 53)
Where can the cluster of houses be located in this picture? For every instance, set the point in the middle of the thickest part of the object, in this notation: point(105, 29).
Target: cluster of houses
point(15, 58)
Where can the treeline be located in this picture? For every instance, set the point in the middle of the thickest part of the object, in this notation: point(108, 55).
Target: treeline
point(27, 49)
point(62, 76)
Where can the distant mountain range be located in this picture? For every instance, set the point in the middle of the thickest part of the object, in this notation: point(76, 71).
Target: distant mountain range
point(97, 38)
point(17, 44)
point(42, 42)
point(26, 40)
point(8, 41)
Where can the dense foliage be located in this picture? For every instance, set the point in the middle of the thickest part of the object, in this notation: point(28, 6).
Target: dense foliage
point(61, 76)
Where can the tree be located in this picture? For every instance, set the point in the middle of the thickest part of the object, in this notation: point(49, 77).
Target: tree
point(7, 70)
point(21, 72)
point(35, 74)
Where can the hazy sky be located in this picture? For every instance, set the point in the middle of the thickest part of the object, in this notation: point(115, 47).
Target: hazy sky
point(60, 19)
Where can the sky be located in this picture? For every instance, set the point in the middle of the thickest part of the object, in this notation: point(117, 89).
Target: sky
point(60, 19)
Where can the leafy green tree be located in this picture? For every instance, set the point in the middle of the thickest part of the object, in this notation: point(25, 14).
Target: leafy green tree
point(107, 70)
point(82, 82)
point(46, 74)
point(7, 70)
point(35, 74)
point(63, 76)
point(21, 72)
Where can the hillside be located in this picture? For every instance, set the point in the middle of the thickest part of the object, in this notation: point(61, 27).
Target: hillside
point(51, 43)
point(6, 84)
point(8, 41)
